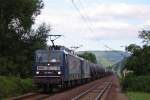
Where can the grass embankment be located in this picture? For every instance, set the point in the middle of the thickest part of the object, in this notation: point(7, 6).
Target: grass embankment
point(13, 86)
point(138, 96)
point(136, 83)
point(136, 87)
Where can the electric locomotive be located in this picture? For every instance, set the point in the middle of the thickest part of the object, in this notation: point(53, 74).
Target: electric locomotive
point(59, 66)
point(49, 65)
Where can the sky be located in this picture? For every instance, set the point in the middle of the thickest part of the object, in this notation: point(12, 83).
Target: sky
point(96, 23)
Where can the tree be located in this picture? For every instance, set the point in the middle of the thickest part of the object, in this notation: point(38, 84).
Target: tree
point(139, 61)
point(37, 40)
point(89, 56)
point(17, 38)
point(16, 19)
point(145, 35)
point(132, 48)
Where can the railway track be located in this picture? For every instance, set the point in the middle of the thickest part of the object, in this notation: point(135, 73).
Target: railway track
point(95, 92)
point(31, 96)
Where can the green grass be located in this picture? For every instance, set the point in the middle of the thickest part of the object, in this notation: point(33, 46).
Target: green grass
point(13, 86)
point(138, 96)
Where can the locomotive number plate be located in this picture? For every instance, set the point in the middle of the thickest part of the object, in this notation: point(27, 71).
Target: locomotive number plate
point(48, 68)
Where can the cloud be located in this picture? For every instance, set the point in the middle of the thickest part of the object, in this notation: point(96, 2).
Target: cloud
point(109, 21)
point(121, 10)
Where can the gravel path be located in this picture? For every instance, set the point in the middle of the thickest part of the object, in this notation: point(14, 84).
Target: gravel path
point(115, 92)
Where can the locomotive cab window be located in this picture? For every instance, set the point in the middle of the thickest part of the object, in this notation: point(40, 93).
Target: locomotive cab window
point(55, 56)
point(41, 56)
point(47, 56)
point(48, 60)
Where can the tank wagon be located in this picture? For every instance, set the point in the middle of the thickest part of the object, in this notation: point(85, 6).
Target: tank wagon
point(59, 66)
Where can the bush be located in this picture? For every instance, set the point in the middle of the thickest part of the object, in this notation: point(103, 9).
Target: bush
point(12, 86)
point(136, 83)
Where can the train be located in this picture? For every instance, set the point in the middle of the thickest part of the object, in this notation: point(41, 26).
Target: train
point(60, 66)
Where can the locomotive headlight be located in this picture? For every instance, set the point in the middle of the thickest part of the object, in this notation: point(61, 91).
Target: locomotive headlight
point(59, 73)
point(37, 72)
point(53, 60)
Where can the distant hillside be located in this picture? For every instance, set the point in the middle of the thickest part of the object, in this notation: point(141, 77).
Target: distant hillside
point(107, 58)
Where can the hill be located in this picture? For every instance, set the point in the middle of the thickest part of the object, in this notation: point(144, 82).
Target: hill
point(108, 58)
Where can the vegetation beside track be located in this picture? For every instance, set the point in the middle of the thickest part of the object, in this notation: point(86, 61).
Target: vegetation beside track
point(136, 83)
point(13, 86)
point(138, 96)
point(18, 39)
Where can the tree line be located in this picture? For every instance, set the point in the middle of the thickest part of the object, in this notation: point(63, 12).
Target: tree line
point(139, 61)
point(88, 56)
point(18, 39)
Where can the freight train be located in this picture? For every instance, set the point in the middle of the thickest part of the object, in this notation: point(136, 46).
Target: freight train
point(59, 66)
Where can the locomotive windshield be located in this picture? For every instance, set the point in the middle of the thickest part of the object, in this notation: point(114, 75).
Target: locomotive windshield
point(55, 56)
point(41, 56)
point(47, 56)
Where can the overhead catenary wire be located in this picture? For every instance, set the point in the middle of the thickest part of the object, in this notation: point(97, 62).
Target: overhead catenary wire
point(85, 19)
point(68, 42)
point(85, 10)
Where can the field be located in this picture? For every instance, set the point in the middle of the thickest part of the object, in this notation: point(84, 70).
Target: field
point(138, 96)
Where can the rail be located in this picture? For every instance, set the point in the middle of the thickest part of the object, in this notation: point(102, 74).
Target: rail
point(95, 92)
point(31, 96)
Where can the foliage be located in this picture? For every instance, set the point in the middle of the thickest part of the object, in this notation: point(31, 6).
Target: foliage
point(18, 15)
point(12, 86)
point(133, 48)
point(136, 83)
point(139, 61)
point(18, 40)
point(138, 96)
point(89, 56)
point(145, 35)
